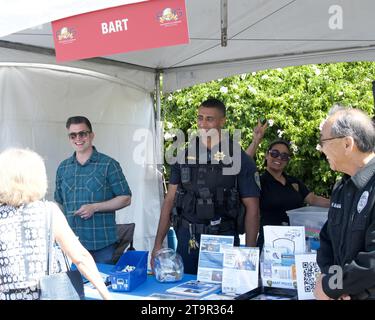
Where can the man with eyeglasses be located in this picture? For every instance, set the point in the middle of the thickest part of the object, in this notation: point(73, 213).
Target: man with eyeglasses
point(346, 256)
point(90, 187)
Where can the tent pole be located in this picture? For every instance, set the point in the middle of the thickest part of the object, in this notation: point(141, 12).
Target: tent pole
point(224, 22)
point(159, 131)
point(159, 121)
point(158, 103)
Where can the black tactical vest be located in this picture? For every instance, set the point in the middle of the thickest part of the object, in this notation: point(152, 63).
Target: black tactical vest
point(205, 195)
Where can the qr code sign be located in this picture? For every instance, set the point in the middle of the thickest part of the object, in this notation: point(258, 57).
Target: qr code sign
point(307, 273)
point(310, 273)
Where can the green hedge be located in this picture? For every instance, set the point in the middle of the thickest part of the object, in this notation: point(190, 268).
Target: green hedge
point(296, 99)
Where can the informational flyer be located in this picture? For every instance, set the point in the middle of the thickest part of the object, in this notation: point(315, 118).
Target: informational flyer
point(307, 272)
point(281, 244)
point(194, 288)
point(210, 264)
point(167, 296)
point(292, 238)
point(269, 297)
point(241, 269)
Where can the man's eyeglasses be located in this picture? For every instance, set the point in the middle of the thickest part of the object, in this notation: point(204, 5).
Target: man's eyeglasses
point(81, 134)
point(277, 154)
point(328, 139)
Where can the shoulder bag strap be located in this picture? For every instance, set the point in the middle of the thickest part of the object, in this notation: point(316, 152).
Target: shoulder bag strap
point(49, 240)
point(50, 244)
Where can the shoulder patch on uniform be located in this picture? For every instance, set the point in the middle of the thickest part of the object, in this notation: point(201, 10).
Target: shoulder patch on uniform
point(257, 179)
point(295, 186)
point(362, 201)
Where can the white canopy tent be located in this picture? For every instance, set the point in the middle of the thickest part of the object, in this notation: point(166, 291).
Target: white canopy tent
point(261, 34)
point(38, 94)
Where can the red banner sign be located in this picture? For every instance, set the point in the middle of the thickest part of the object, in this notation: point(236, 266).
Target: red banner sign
point(139, 26)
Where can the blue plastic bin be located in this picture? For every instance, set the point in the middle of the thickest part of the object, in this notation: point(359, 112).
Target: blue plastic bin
point(127, 281)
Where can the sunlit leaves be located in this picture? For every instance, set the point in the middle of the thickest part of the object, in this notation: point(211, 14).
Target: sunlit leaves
point(295, 98)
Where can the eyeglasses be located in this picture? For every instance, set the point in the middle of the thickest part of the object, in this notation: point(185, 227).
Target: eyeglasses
point(276, 154)
point(328, 139)
point(81, 134)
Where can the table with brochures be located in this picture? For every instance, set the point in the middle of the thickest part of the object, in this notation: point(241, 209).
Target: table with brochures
point(151, 287)
point(145, 289)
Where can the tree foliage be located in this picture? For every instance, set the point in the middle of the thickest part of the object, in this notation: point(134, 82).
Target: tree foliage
point(294, 99)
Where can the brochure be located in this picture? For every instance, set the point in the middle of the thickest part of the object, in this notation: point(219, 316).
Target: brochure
point(241, 269)
point(194, 288)
point(307, 272)
point(210, 263)
point(291, 238)
point(281, 244)
point(218, 296)
point(278, 269)
point(166, 296)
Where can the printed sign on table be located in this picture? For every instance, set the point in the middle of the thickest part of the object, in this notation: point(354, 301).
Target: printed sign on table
point(131, 27)
point(307, 273)
point(240, 269)
point(210, 262)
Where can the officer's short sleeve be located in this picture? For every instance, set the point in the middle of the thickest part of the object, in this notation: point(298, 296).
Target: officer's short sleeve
point(248, 178)
point(303, 189)
point(175, 177)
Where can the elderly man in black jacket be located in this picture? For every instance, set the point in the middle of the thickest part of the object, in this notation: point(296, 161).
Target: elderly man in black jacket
point(347, 241)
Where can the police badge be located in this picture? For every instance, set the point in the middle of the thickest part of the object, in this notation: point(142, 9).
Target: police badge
point(362, 201)
point(219, 156)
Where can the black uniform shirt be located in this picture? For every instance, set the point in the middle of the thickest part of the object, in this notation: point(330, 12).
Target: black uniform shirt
point(247, 177)
point(347, 239)
point(276, 198)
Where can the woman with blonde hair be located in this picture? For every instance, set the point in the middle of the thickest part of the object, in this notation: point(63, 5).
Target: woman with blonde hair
point(24, 234)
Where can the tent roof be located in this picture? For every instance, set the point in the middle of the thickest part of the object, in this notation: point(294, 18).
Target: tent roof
point(261, 34)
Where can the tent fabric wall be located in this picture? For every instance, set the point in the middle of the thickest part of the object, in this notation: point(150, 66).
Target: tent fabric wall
point(34, 105)
point(141, 79)
point(261, 34)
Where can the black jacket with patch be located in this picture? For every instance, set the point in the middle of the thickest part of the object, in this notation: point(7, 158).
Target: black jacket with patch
point(347, 240)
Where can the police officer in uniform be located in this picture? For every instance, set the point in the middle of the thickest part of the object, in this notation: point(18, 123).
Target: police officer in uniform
point(347, 241)
point(203, 198)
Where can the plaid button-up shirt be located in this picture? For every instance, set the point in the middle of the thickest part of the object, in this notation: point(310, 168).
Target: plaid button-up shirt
point(99, 179)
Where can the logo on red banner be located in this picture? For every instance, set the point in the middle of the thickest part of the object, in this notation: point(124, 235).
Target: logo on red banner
point(169, 16)
point(66, 35)
point(137, 26)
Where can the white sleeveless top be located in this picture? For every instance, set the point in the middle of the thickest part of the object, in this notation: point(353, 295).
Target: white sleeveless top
point(23, 249)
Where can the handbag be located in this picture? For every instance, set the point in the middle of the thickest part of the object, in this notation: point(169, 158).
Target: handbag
point(66, 285)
